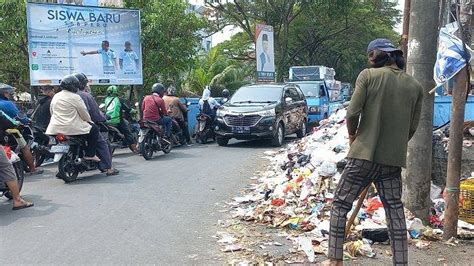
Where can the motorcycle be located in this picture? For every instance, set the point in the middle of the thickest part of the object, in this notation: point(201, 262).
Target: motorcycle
point(69, 153)
point(150, 139)
point(11, 149)
point(116, 138)
point(204, 129)
point(40, 146)
point(177, 135)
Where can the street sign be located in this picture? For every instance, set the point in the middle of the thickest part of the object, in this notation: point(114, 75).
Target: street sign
point(102, 43)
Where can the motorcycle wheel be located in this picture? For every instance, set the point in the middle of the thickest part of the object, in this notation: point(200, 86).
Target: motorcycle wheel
point(67, 168)
point(38, 158)
point(146, 147)
point(20, 175)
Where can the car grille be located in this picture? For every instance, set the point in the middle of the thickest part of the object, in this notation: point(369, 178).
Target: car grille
point(242, 121)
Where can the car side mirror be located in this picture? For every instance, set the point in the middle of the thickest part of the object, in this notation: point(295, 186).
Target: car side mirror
point(288, 100)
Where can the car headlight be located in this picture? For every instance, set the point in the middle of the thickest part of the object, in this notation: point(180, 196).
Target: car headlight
point(266, 113)
point(222, 112)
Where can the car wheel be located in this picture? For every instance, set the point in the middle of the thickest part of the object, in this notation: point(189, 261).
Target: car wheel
point(279, 136)
point(302, 131)
point(221, 141)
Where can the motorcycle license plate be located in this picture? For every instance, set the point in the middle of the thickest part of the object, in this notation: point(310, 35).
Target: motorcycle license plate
point(241, 130)
point(60, 149)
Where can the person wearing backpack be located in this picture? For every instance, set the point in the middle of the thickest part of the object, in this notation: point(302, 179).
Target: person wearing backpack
point(207, 104)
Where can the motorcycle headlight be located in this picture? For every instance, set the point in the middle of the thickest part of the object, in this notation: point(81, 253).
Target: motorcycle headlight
point(266, 113)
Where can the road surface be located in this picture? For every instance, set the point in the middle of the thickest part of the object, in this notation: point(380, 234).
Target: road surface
point(162, 211)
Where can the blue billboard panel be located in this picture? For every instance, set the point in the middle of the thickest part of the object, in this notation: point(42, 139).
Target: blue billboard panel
point(102, 43)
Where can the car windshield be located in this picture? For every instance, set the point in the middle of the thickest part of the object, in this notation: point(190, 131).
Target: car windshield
point(310, 89)
point(256, 94)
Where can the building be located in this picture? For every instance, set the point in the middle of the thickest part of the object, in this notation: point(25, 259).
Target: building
point(202, 11)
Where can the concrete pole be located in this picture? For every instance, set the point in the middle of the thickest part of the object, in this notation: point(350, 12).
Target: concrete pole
point(461, 87)
point(422, 45)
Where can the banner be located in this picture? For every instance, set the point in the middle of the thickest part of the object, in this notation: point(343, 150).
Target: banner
point(264, 53)
point(102, 43)
point(451, 57)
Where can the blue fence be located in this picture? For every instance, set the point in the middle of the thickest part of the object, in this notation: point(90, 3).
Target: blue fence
point(442, 110)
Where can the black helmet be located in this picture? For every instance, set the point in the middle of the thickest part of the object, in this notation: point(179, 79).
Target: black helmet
point(171, 91)
point(6, 88)
point(70, 83)
point(225, 93)
point(82, 80)
point(158, 88)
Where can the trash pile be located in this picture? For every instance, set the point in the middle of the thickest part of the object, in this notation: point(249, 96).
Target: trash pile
point(296, 193)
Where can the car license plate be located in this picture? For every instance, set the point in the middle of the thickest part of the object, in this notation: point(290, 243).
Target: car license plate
point(60, 149)
point(241, 130)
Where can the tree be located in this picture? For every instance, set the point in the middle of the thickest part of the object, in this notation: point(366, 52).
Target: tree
point(170, 37)
point(14, 45)
point(332, 33)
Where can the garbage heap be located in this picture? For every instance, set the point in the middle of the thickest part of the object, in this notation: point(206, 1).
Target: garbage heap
point(296, 193)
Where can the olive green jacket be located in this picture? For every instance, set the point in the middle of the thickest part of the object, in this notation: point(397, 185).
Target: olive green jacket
point(383, 115)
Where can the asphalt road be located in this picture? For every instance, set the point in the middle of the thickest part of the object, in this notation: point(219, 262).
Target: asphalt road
point(162, 211)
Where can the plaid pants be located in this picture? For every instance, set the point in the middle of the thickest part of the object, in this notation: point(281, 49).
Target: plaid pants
point(357, 175)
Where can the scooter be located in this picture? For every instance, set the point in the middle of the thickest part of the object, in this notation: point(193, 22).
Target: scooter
point(116, 138)
point(204, 129)
point(10, 146)
point(69, 153)
point(40, 146)
point(150, 139)
point(177, 135)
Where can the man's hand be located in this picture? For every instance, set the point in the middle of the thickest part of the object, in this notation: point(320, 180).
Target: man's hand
point(351, 139)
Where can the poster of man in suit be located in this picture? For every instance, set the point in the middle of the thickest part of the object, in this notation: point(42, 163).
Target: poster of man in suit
point(264, 52)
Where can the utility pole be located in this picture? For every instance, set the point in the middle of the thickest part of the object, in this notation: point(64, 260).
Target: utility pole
point(406, 26)
point(461, 86)
point(422, 44)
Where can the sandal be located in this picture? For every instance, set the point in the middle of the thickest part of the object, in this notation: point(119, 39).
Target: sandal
point(113, 172)
point(24, 206)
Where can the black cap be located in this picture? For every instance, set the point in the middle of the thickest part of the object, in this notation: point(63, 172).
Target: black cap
point(382, 45)
point(264, 37)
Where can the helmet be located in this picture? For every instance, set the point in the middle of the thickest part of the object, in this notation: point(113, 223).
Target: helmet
point(158, 88)
point(225, 93)
point(82, 80)
point(70, 83)
point(172, 91)
point(6, 88)
point(112, 90)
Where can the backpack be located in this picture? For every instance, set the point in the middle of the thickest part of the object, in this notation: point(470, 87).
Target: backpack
point(206, 108)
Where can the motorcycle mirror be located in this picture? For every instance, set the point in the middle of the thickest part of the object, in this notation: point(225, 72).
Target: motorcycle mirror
point(101, 106)
point(136, 104)
point(188, 104)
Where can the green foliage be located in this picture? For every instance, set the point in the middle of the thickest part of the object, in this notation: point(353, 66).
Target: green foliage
point(13, 45)
point(169, 39)
point(333, 33)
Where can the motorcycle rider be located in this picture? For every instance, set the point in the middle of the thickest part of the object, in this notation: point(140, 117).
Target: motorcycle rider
point(98, 117)
point(69, 116)
point(42, 115)
point(154, 108)
point(207, 104)
point(225, 96)
point(115, 107)
point(10, 109)
point(178, 111)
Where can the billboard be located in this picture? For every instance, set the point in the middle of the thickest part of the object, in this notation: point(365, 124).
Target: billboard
point(102, 43)
point(264, 53)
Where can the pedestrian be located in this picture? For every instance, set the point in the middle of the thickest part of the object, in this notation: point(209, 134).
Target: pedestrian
point(387, 101)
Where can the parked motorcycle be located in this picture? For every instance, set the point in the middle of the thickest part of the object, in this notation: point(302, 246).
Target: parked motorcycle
point(150, 139)
point(204, 129)
point(11, 149)
point(69, 153)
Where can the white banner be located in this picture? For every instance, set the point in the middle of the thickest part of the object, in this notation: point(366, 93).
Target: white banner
point(264, 53)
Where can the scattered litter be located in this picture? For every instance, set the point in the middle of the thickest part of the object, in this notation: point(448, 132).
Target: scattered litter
point(232, 248)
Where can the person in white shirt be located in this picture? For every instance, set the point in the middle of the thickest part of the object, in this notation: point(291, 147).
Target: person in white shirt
point(128, 59)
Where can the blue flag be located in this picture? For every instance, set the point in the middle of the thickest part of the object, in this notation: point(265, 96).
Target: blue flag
point(451, 56)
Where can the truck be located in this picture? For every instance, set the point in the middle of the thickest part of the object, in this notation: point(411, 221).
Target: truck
point(323, 93)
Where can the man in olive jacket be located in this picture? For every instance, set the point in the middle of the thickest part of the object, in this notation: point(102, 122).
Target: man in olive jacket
point(382, 117)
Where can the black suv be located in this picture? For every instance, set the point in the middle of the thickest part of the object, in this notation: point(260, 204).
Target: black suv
point(262, 112)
